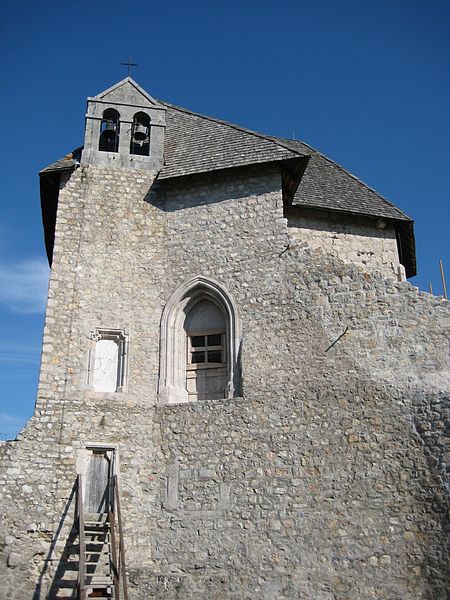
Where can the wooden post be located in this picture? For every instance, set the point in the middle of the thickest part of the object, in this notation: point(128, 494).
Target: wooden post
point(123, 572)
point(82, 543)
point(441, 266)
point(430, 287)
point(115, 566)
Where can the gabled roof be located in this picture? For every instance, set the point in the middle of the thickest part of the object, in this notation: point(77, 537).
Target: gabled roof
point(197, 144)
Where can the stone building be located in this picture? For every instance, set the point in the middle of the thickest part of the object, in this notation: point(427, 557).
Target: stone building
point(230, 350)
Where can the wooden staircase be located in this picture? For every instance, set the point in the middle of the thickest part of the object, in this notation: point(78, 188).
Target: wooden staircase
point(99, 576)
point(101, 565)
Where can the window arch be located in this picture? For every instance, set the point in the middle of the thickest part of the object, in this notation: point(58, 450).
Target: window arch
point(206, 353)
point(200, 342)
point(140, 135)
point(109, 131)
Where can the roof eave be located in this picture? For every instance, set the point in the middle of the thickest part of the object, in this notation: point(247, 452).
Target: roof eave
point(254, 163)
point(49, 183)
point(407, 246)
point(346, 211)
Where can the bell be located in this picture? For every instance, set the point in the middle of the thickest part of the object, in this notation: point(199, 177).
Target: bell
point(140, 132)
point(110, 126)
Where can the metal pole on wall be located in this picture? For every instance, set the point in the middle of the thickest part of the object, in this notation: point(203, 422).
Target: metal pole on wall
point(441, 266)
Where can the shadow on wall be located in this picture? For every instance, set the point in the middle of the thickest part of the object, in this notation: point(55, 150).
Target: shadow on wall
point(432, 424)
point(66, 575)
point(170, 196)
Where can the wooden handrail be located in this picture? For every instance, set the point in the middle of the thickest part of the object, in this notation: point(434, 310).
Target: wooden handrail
point(82, 542)
point(122, 566)
point(115, 567)
point(117, 562)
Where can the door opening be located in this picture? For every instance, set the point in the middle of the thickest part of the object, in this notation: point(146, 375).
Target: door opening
point(98, 480)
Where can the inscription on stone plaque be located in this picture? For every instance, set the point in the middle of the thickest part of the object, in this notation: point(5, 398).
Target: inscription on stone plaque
point(105, 366)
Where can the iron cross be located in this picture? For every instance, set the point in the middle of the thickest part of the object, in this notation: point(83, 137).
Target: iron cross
point(129, 65)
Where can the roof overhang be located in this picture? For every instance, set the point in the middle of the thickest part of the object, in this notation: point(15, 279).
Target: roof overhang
point(50, 183)
point(406, 246)
point(292, 171)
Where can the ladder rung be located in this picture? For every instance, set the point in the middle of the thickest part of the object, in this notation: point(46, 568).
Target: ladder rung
point(101, 520)
point(96, 562)
point(97, 543)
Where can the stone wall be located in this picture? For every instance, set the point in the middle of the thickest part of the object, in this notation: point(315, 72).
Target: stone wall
point(325, 480)
point(351, 239)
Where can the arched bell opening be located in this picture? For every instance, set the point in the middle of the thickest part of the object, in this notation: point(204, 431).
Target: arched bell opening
point(140, 135)
point(109, 131)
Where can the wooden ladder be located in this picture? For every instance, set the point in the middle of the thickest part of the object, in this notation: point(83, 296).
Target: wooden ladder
point(101, 565)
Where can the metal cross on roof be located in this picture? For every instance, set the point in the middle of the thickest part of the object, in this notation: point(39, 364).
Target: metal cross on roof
point(129, 65)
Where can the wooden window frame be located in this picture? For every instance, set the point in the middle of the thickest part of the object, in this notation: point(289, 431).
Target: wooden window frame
point(191, 366)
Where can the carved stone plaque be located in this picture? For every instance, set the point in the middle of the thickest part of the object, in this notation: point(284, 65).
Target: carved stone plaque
point(105, 367)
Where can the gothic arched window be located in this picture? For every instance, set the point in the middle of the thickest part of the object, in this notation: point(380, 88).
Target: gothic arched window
point(140, 135)
point(109, 131)
point(200, 340)
point(206, 355)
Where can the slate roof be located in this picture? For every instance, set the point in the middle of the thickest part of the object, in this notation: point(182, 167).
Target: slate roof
point(67, 162)
point(326, 185)
point(198, 144)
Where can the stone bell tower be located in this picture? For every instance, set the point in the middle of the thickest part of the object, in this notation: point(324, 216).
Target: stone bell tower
point(124, 127)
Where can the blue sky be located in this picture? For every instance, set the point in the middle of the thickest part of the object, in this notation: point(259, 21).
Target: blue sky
point(367, 83)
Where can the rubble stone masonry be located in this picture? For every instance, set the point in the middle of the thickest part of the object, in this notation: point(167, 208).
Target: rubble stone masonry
point(351, 239)
point(325, 480)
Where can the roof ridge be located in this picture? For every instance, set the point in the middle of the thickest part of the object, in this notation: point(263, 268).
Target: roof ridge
point(269, 138)
point(341, 168)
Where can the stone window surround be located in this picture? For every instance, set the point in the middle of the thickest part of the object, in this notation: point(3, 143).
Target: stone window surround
point(121, 338)
point(172, 373)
